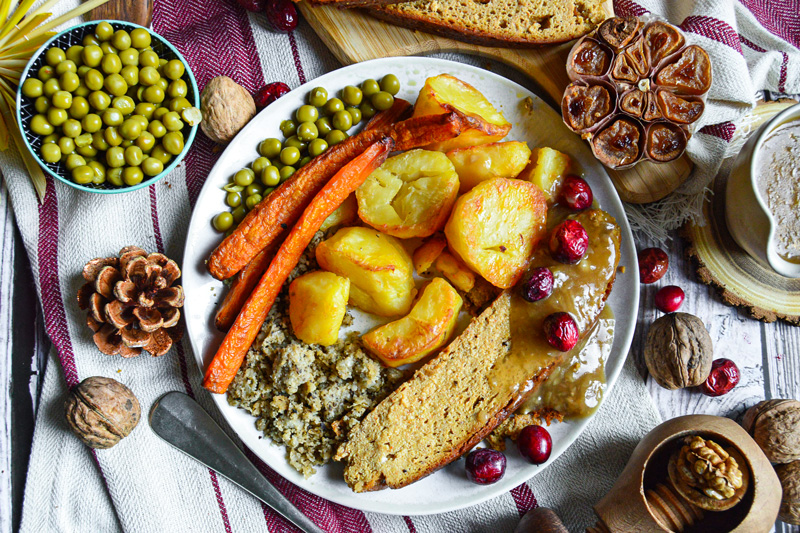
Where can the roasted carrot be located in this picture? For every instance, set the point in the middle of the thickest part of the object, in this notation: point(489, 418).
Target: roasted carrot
point(231, 353)
point(399, 111)
point(427, 129)
point(243, 284)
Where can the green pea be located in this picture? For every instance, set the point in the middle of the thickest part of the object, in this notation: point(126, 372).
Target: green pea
point(99, 141)
point(252, 189)
point(270, 176)
point(148, 76)
point(146, 141)
point(108, 48)
point(174, 69)
point(114, 176)
point(159, 113)
point(295, 142)
point(104, 31)
point(115, 84)
point(111, 64)
point(303, 162)
point(71, 128)
point(259, 165)
point(342, 120)
point(115, 157)
point(121, 40)
point(130, 74)
point(92, 56)
point(112, 136)
point(94, 79)
point(367, 110)
point(42, 104)
point(290, 155)
point(223, 222)
point(288, 127)
point(99, 172)
point(74, 161)
point(112, 117)
point(134, 156)
point(323, 125)
point(332, 106)
point(62, 100)
point(99, 100)
point(32, 88)
point(82, 90)
point(154, 94)
point(382, 100)
point(66, 66)
point(177, 89)
point(335, 137)
point(239, 213)
point(91, 123)
point(83, 174)
point(82, 140)
point(45, 73)
point(52, 138)
point(316, 147)
point(83, 70)
point(54, 56)
point(172, 121)
point(179, 104)
point(131, 128)
point(163, 83)
point(252, 201)
point(86, 151)
point(270, 148)
point(148, 59)
point(152, 166)
point(69, 81)
point(307, 131)
point(369, 87)
point(75, 54)
point(51, 87)
point(90, 39)
point(123, 104)
point(173, 142)
point(145, 109)
point(57, 116)
point(156, 127)
point(243, 177)
point(233, 199)
point(355, 114)
point(50, 153)
point(132, 176)
point(129, 57)
point(161, 154)
point(140, 38)
point(307, 113)
point(318, 96)
point(352, 95)
point(286, 172)
point(66, 145)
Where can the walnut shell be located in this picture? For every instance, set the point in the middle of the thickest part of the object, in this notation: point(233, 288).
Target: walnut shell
point(678, 351)
point(775, 426)
point(101, 411)
point(226, 108)
point(789, 474)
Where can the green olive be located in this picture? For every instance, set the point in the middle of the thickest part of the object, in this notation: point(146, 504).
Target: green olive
point(121, 40)
point(288, 127)
point(294, 141)
point(115, 157)
point(45, 73)
point(307, 113)
point(54, 56)
point(290, 155)
point(318, 96)
point(342, 120)
point(146, 141)
point(173, 142)
point(270, 176)
point(99, 100)
point(74, 54)
point(129, 57)
point(152, 166)
point(90, 39)
point(145, 109)
point(323, 125)
point(83, 174)
point(132, 176)
point(307, 131)
point(148, 59)
point(352, 95)
point(99, 141)
point(130, 74)
point(370, 87)
point(130, 129)
point(367, 110)
point(154, 94)
point(253, 189)
point(148, 76)
point(51, 87)
point(99, 172)
point(316, 147)
point(111, 64)
point(91, 123)
point(382, 100)
point(244, 177)
point(140, 38)
point(133, 156)
point(156, 127)
point(114, 176)
point(62, 100)
point(104, 31)
point(335, 137)
point(71, 128)
point(239, 214)
point(174, 69)
point(177, 89)
point(233, 199)
point(112, 136)
point(161, 154)
point(332, 106)
point(73, 161)
point(57, 116)
point(66, 66)
point(223, 221)
point(42, 104)
point(112, 117)
point(66, 145)
point(172, 121)
point(115, 84)
point(270, 148)
point(32, 88)
point(50, 153)
point(69, 81)
point(259, 165)
point(123, 104)
point(286, 172)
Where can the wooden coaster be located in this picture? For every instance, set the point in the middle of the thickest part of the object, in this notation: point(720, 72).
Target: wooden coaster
point(741, 280)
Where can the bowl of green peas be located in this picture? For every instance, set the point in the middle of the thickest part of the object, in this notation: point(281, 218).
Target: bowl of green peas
point(108, 107)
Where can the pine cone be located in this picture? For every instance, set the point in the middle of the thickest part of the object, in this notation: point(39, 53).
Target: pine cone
point(132, 303)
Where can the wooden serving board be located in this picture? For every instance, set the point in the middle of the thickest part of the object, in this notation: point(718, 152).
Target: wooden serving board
point(137, 11)
point(354, 36)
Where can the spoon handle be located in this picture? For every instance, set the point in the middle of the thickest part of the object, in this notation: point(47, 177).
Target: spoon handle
point(181, 422)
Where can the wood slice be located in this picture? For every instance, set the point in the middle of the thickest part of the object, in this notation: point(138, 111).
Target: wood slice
point(741, 280)
point(137, 11)
point(354, 36)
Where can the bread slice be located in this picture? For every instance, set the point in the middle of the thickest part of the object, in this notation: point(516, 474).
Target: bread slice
point(498, 22)
point(453, 401)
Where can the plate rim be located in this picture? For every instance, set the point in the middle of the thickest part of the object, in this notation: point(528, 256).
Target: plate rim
point(491, 491)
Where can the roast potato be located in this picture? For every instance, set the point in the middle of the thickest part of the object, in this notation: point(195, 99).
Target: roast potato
point(427, 252)
point(410, 195)
point(546, 170)
point(317, 303)
point(344, 214)
point(426, 328)
point(494, 227)
point(444, 93)
point(484, 162)
point(377, 265)
point(455, 271)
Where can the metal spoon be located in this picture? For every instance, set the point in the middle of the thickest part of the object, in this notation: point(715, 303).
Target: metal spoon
point(181, 422)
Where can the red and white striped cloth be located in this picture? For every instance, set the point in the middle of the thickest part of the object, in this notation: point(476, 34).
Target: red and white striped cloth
point(142, 485)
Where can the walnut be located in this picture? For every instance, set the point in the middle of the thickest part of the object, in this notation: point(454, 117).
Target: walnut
point(789, 474)
point(775, 426)
point(678, 351)
point(226, 108)
point(101, 411)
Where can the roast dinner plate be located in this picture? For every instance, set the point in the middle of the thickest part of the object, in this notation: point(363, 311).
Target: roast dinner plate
point(538, 125)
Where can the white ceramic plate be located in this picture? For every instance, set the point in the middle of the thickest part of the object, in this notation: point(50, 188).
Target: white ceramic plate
point(447, 489)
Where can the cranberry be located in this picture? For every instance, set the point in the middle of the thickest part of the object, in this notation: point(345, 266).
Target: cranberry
point(561, 331)
point(271, 92)
point(576, 193)
point(485, 466)
point(535, 444)
point(538, 285)
point(253, 5)
point(569, 242)
point(653, 264)
point(669, 298)
point(282, 15)
point(723, 377)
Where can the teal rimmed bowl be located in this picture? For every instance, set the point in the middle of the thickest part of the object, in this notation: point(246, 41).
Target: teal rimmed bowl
point(75, 35)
